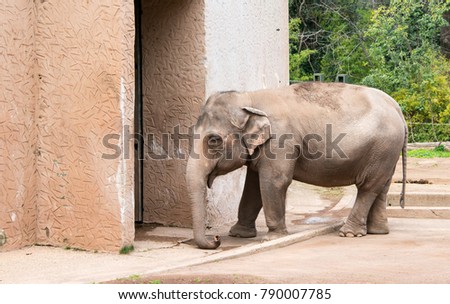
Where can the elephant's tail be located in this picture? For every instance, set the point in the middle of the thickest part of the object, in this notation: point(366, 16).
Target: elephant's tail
point(405, 145)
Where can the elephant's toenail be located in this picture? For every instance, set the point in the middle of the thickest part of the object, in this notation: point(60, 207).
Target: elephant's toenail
point(349, 234)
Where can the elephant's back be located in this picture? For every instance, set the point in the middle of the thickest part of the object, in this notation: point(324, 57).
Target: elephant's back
point(346, 101)
point(351, 109)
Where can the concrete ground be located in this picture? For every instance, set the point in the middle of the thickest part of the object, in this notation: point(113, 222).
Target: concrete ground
point(159, 249)
point(416, 250)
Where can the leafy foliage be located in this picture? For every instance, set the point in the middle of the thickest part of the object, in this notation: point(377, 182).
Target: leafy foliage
point(390, 45)
point(298, 61)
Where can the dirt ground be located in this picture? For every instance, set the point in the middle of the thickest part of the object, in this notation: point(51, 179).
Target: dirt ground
point(194, 279)
point(430, 170)
point(415, 251)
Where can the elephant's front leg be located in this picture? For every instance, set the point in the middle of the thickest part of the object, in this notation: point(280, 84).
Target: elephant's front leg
point(249, 207)
point(274, 181)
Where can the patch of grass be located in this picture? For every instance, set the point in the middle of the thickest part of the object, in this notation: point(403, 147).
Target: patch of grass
point(155, 282)
point(333, 194)
point(440, 148)
point(439, 152)
point(201, 281)
point(134, 277)
point(73, 248)
point(126, 249)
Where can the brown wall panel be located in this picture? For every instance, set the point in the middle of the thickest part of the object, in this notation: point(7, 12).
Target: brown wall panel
point(174, 90)
point(85, 52)
point(18, 131)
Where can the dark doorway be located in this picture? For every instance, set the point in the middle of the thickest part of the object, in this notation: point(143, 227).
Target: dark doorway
point(170, 89)
point(138, 119)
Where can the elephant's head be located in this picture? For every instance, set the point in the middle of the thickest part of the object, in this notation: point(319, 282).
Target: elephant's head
point(227, 133)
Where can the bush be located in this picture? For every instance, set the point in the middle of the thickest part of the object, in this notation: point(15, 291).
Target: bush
point(428, 133)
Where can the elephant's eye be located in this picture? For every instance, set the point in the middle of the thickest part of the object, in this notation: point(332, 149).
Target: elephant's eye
point(215, 141)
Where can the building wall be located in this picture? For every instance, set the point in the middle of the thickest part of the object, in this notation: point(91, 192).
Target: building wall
point(247, 48)
point(18, 131)
point(174, 90)
point(67, 81)
point(59, 188)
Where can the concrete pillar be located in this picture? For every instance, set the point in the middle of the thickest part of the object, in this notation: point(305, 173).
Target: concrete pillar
point(247, 48)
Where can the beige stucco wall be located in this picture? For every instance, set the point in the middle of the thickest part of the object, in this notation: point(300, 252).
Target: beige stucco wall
point(174, 90)
point(61, 189)
point(85, 52)
point(18, 131)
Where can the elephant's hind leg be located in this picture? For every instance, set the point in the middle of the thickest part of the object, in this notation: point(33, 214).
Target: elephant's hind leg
point(356, 224)
point(249, 207)
point(377, 222)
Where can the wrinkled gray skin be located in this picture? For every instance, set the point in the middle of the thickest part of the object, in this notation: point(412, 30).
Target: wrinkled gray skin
point(375, 134)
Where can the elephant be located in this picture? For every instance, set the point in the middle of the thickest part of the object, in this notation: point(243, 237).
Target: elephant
point(324, 134)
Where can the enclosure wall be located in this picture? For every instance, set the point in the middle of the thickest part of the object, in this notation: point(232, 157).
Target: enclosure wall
point(67, 69)
point(85, 52)
point(18, 130)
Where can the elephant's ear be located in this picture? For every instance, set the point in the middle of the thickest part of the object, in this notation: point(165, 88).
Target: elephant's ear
point(257, 129)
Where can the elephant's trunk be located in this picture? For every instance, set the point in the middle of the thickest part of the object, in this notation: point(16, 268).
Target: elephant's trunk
point(197, 172)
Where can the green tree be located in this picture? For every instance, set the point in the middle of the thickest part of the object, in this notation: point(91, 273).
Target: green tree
point(334, 30)
point(299, 59)
point(391, 45)
point(346, 52)
point(404, 40)
point(407, 63)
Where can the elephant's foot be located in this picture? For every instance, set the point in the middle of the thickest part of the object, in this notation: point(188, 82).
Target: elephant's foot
point(241, 231)
point(353, 230)
point(275, 234)
point(378, 227)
